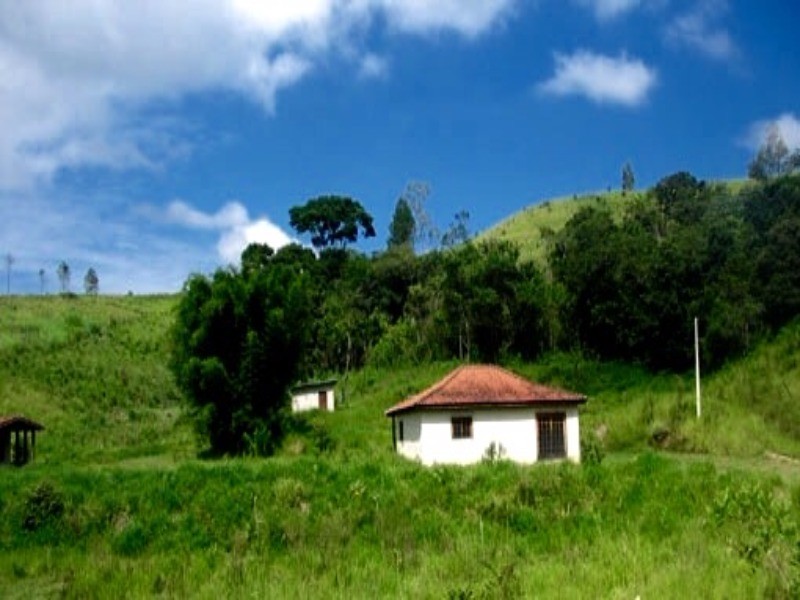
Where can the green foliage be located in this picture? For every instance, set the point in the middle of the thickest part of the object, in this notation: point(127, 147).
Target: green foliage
point(238, 343)
point(627, 178)
point(402, 228)
point(44, 505)
point(332, 220)
point(458, 231)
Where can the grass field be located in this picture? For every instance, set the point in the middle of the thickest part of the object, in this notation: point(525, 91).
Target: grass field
point(118, 504)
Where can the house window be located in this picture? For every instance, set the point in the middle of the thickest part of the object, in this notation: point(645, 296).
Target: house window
point(551, 435)
point(462, 427)
point(402, 435)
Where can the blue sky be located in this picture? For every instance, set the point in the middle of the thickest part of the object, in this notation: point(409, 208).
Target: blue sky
point(156, 138)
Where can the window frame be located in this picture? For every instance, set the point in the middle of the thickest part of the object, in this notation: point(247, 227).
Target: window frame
point(461, 427)
point(548, 441)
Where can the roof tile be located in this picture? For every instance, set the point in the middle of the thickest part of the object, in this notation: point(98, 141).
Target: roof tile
point(484, 385)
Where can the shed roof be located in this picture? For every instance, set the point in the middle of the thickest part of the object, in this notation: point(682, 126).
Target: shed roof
point(325, 384)
point(19, 422)
point(487, 386)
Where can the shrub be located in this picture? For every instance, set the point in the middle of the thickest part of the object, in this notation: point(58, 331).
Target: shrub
point(44, 505)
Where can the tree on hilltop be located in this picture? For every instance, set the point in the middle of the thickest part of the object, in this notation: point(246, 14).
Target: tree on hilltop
point(63, 276)
point(628, 179)
point(403, 226)
point(773, 158)
point(331, 221)
point(91, 283)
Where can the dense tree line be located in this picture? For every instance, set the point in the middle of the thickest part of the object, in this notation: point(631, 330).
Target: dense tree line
point(615, 287)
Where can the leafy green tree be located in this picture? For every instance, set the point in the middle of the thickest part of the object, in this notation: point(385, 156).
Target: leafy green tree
point(332, 221)
point(402, 227)
point(627, 178)
point(238, 343)
point(255, 258)
point(91, 283)
point(681, 197)
point(480, 289)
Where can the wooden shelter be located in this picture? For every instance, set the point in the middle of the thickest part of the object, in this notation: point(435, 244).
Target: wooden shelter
point(17, 439)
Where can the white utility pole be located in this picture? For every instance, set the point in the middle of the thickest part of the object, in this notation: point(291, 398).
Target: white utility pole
point(697, 366)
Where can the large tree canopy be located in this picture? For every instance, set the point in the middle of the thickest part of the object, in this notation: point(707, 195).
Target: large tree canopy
point(238, 344)
point(332, 220)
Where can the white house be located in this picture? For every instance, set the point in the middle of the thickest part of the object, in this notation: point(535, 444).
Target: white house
point(313, 395)
point(481, 410)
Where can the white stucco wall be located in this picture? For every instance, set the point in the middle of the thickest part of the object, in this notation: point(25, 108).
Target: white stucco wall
point(428, 435)
point(309, 400)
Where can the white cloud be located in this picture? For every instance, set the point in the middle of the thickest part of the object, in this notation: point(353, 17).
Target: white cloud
point(609, 9)
point(602, 79)
point(788, 126)
point(372, 66)
point(236, 228)
point(74, 73)
point(467, 17)
point(699, 30)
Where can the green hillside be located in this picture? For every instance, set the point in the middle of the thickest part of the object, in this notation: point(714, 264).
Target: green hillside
point(94, 371)
point(525, 227)
point(118, 504)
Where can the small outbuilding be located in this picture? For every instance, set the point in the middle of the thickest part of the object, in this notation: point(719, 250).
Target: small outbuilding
point(17, 439)
point(485, 411)
point(314, 395)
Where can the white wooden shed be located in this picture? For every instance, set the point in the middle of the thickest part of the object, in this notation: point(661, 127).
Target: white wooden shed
point(478, 411)
point(314, 395)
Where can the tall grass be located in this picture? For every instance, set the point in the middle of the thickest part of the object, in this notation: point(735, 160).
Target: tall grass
point(94, 371)
point(322, 527)
point(118, 505)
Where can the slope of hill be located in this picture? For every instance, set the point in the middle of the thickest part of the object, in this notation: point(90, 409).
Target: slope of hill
point(94, 371)
point(525, 227)
point(118, 505)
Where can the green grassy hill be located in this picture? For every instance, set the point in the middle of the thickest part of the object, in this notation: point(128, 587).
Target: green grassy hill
point(94, 371)
point(117, 503)
point(525, 227)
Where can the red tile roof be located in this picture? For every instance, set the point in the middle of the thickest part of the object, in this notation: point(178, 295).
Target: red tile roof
point(484, 385)
point(20, 422)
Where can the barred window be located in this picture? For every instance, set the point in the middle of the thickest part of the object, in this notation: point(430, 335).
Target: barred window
point(462, 427)
point(551, 435)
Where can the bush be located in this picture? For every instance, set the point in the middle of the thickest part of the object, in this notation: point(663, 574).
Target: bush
point(44, 505)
